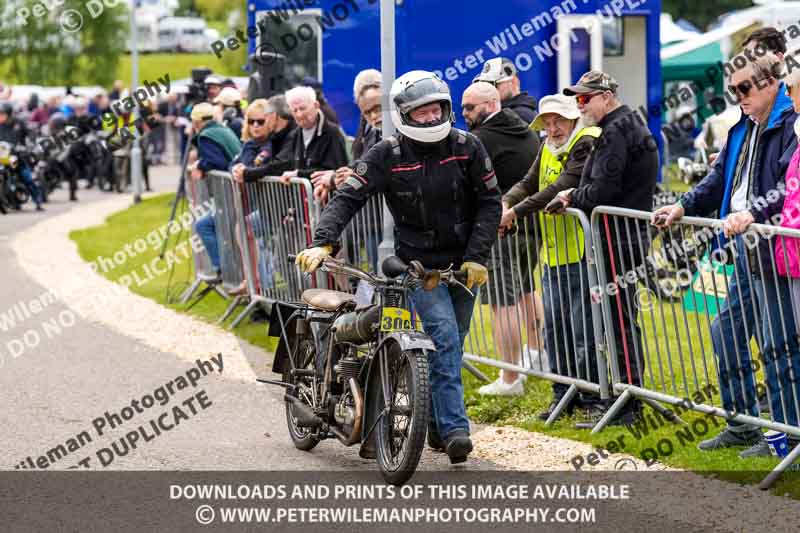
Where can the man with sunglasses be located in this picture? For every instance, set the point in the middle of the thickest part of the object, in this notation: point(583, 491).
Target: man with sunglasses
point(512, 146)
point(621, 171)
point(752, 165)
point(502, 73)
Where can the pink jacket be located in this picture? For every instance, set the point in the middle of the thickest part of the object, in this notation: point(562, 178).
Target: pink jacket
point(791, 219)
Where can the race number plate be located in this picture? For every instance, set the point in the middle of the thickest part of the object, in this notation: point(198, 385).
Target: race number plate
point(395, 318)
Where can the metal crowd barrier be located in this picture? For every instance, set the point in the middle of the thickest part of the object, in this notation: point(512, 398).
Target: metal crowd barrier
point(229, 241)
point(274, 220)
point(569, 351)
point(363, 235)
point(726, 336)
point(199, 194)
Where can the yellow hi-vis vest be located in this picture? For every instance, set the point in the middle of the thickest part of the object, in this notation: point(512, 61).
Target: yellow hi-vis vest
point(562, 236)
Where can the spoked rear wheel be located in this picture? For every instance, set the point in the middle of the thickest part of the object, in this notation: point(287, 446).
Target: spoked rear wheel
point(301, 436)
point(401, 433)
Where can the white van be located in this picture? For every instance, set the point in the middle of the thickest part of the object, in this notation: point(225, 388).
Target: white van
point(183, 34)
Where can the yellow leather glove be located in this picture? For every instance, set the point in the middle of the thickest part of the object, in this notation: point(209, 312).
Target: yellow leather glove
point(309, 259)
point(476, 274)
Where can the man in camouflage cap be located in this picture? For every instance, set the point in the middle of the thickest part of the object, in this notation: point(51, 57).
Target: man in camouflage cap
point(621, 171)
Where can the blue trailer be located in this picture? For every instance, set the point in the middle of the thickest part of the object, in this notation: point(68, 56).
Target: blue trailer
point(551, 42)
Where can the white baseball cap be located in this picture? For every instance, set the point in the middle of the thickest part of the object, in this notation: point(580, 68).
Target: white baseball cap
point(202, 111)
point(496, 70)
point(228, 97)
point(560, 105)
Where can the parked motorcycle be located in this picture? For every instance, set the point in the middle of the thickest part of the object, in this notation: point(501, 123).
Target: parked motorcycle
point(693, 171)
point(13, 193)
point(356, 374)
point(676, 253)
point(100, 167)
point(121, 166)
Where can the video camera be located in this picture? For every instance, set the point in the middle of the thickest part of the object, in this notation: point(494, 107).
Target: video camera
point(197, 89)
point(267, 76)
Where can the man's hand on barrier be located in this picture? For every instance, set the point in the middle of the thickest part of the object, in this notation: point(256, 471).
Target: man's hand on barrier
point(476, 274)
point(737, 223)
point(508, 218)
point(309, 259)
point(196, 173)
point(287, 176)
point(664, 217)
point(341, 175)
point(321, 193)
point(321, 177)
point(564, 197)
point(238, 172)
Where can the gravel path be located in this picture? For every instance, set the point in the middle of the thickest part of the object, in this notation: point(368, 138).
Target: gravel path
point(147, 344)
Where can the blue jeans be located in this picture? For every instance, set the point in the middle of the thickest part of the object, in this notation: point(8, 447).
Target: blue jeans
point(206, 228)
point(445, 313)
point(731, 331)
point(568, 327)
point(266, 262)
point(27, 179)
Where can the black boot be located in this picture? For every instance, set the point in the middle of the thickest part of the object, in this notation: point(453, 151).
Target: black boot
point(458, 445)
point(367, 450)
point(568, 410)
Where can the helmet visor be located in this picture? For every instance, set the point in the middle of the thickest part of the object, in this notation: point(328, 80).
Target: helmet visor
point(420, 93)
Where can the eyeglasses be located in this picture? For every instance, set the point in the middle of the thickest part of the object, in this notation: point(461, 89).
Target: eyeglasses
point(469, 107)
point(742, 88)
point(256, 121)
point(376, 110)
point(583, 99)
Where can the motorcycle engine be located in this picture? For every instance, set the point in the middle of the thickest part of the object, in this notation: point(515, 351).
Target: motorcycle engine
point(345, 412)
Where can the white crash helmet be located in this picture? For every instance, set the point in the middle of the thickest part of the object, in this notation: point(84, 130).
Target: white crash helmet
point(413, 90)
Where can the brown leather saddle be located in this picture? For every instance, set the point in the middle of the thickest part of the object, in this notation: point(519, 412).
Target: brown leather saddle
point(327, 300)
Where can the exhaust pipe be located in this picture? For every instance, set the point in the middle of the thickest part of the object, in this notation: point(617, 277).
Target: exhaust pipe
point(303, 413)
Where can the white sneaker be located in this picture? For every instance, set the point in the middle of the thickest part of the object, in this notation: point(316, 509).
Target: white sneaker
point(501, 388)
point(535, 359)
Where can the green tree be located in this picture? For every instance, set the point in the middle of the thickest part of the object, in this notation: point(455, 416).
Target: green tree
point(213, 9)
point(71, 45)
point(701, 14)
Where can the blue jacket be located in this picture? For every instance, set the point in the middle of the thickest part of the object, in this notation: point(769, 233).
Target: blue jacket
point(778, 143)
point(213, 156)
point(251, 150)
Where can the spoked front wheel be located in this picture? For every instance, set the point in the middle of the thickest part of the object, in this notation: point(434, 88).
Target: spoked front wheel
point(401, 432)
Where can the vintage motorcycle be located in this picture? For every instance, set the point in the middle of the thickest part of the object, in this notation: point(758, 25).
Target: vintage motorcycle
point(359, 373)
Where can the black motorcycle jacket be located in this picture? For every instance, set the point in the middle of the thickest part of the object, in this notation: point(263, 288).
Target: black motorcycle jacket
point(14, 132)
point(444, 199)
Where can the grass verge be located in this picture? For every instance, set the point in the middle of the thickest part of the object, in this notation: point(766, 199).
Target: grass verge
point(124, 228)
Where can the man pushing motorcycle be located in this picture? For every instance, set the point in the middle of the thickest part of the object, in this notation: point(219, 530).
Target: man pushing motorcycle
point(442, 192)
